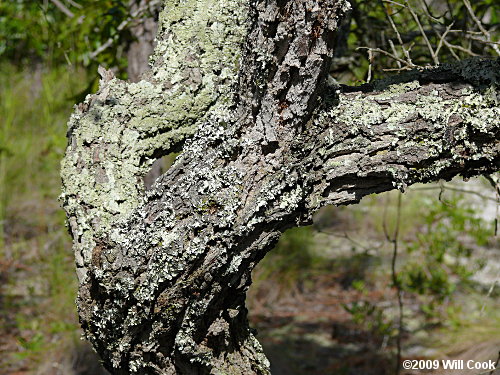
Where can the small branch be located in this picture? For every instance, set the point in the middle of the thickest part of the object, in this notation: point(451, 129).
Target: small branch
point(75, 4)
point(447, 187)
point(397, 285)
point(134, 15)
point(394, 239)
point(63, 8)
point(420, 27)
point(427, 11)
point(370, 62)
point(400, 40)
point(442, 38)
point(394, 51)
point(496, 186)
point(496, 364)
point(459, 48)
point(408, 64)
point(346, 236)
point(480, 26)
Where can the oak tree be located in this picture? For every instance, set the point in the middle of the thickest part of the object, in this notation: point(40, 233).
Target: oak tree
point(240, 89)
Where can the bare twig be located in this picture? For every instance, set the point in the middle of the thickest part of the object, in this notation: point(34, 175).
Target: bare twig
point(133, 16)
point(346, 236)
point(480, 26)
point(370, 62)
point(459, 48)
point(442, 38)
point(73, 3)
point(459, 190)
point(490, 43)
point(408, 64)
point(395, 52)
point(424, 35)
point(63, 8)
point(394, 2)
point(394, 239)
point(496, 186)
point(427, 10)
point(400, 40)
point(496, 364)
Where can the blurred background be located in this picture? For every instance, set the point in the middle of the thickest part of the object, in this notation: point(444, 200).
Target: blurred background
point(411, 275)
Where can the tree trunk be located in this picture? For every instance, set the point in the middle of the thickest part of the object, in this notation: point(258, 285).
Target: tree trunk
point(143, 32)
point(240, 89)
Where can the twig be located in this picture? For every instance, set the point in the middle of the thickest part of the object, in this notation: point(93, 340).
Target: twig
point(63, 8)
point(75, 4)
point(496, 364)
point(427, 11)
point(396, 69)
point(460, 48)
point(394, 239)
point(490, 290)
point(496, 186)
point(441, 194)
point(459, 190)
point(442, 38)
point(398, 286)
point(370, 61)
point(134, 15)
point(429, 46)
point(349, 238)
point(398, 35)
point(409, 64)
point(480, 26)
point(395, 52)
point(394, 2)
point(489, 42)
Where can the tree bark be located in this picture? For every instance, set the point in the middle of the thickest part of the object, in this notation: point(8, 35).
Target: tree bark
point(241, 89)
point(143, 32)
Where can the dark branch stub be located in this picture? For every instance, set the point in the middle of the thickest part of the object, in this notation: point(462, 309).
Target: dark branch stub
point(164, 272)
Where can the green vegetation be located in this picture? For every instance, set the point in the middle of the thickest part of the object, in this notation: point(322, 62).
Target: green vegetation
point(441, 251)
point(443, 244)
point(37, 296)
point(40, 32)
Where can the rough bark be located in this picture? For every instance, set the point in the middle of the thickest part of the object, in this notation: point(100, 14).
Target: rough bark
point(163, 272)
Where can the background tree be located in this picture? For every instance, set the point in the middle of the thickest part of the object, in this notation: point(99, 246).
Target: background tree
point(241, 90)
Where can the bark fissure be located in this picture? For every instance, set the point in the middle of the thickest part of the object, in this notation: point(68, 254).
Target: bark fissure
point(164, 272)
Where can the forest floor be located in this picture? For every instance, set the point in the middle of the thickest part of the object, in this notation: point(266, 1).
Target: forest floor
point(309, 332)
point(328, 314)
point(304, 328)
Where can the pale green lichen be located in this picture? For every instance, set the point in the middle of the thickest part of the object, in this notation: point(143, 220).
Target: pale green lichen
point(395, 89)
point(199, 52)
point(114, 141)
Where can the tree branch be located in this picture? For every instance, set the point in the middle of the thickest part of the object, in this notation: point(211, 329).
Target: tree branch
point(163, 273)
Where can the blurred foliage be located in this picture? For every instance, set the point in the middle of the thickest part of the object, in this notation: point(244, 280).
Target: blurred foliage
point(292, 259)
point(440, 255)
point(38, 32)
point(371, 318)
point(38, 286)
point(418, 32)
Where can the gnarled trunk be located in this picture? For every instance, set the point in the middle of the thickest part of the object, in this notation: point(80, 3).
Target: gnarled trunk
point(240, 88)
